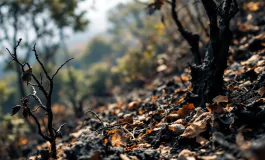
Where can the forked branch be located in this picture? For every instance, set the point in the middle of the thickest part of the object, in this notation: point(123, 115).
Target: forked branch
point(26, 76)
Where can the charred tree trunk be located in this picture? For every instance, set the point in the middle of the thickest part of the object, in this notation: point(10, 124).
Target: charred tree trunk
point(207, 75)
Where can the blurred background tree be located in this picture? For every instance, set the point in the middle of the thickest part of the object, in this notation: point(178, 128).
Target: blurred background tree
point(42, 21)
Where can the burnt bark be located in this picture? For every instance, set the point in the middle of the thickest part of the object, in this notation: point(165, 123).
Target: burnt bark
point(192, 39)
point(207, 77)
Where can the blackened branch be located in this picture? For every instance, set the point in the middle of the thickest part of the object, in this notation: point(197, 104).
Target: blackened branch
point(39, 127)
point(48, 95)
point(41, 64)
point(229, 10)
point(192, 39)
point(211, 11)
point(95, 115)
point(61, 67)
point(40, 86)
point(38, 99)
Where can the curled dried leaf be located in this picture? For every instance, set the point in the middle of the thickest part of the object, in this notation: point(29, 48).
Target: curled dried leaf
point(198, 126)
point(118, 139)
point(215, 107)
point(26, 113)
point(15, 109)
point(26, 75)
point(185, 109)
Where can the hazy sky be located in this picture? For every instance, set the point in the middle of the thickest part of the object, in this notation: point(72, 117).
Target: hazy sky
point(98, 21)
point(97, 17)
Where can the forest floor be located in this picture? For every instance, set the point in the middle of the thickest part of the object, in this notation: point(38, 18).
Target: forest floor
point(157, 122)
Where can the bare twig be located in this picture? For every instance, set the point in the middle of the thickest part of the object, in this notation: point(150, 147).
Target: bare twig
point(39, 127)
point(38, 99)
point(133, 138)
point(41, 64)
point(35, 110)
point(61, 67)
point(96, 116)
point(115, 125)
point(192, 39)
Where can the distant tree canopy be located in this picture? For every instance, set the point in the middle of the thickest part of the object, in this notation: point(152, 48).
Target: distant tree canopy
point(4, 92)
point(42, 21)
point(39, 18)
point(97, 49)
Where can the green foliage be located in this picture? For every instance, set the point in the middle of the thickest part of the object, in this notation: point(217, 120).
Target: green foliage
point(73, 85)
point(97, 49)
point(100, 78)
point(12, 135)
point(5, 91)
point(11, 127)
point(64, 13)
point(136, 65)
point(44, 20)
point(132, 27)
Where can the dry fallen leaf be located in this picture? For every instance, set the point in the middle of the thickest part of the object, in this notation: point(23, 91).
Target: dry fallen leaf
point(198, 126)
point(173, 116)
point(164, 150)
point(132, 105)
point(118, 139)
point(130, 148)
point(124, 157)
point(179, 101)
point(187, 154)
point(161, 68)
point(252, 60)
point(214, 107)
point(251, 6)
point(185, 78)
point(202, 141)
point(220, 98)
point(185, 109)
point(126, 120)
point(111, 131)
point(259, 70)
point(261, 91)
point(78, 133)
point(177, 128)
point(228, 108)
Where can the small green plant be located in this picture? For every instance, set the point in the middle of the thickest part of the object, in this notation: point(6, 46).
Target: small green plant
point(27, 76)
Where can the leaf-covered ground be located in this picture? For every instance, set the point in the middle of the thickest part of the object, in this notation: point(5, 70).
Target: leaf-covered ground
point(158, 122)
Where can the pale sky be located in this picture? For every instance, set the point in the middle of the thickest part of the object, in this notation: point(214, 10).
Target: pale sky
point(97, 17)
